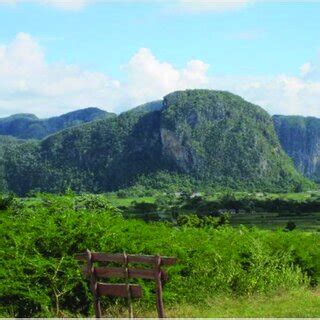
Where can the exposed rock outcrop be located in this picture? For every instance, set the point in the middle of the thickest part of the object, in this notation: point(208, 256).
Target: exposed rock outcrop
point(300, 138)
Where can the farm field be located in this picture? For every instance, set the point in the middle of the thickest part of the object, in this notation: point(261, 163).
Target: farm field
point(221, 271)
point(269, 220)
point(308, 221)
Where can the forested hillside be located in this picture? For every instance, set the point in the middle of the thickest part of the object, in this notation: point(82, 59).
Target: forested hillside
point(28, 126)
point(300, 138)
point(5, 142)
point(200, 138)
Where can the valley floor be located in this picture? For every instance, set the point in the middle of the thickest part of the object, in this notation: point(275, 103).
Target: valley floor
point(272, 217)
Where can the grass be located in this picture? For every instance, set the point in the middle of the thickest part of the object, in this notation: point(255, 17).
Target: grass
point(293, 304)
point(296, 304)
point(126, 202)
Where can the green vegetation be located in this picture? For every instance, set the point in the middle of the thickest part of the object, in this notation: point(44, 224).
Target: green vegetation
point(292, 304)
point(175, 171)
point(299, 137)
point(233, 142)
point(147, 107)
point(5, 142)
point(267, 211)
point(28, 126)
point(216, 263)
point(199, 140)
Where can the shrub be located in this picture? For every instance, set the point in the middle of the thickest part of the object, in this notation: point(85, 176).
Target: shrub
point(6, 201)
point(92, 202)
point(225, 218)
point(290, 226)
point(189, 220)
point(144, 207)
point(40, 278)
point(122, 194)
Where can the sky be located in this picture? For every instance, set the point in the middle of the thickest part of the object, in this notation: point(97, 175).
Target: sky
point(61, 55)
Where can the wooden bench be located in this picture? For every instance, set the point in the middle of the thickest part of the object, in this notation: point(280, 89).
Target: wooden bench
point(124, 290)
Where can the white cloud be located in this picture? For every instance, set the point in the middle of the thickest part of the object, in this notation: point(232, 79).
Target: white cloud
point(29, 84)
point(212, 5)
point(280, 94)
point(149, 78)
point(305, 69)
point(60, 4)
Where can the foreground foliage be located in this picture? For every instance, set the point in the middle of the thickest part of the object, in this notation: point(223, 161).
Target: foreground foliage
point(39, 236)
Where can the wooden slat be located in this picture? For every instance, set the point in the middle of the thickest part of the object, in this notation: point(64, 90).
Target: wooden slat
point(108, 272)
point(141, 274)
point(160, 307)
point(119, 290)
point(118, 258)
point(93, 285)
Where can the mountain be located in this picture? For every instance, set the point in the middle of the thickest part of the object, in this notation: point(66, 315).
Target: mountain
point(28, 126)
point(212, 137)
point(300, 138)
point(198, 138)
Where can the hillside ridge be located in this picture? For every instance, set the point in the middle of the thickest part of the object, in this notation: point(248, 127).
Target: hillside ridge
point(29, 126)
point(199, 138)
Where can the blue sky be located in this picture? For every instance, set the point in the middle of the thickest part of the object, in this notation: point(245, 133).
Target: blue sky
point(58, 55)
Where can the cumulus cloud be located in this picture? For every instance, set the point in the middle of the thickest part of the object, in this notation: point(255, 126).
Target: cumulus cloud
point(148, 78)
point(281, 94)
point(60, 4)
point(29, 84)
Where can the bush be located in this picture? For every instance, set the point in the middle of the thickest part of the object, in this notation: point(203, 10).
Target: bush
point(290, 226)
point(122, 194)
point(92, 202)
point(189, 220)
point(194, 221)
point(6, 201)
point(40, 278)
point(144, 207)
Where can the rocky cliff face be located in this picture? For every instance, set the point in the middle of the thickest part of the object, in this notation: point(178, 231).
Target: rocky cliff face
point(300, 138)
point(218, 136)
